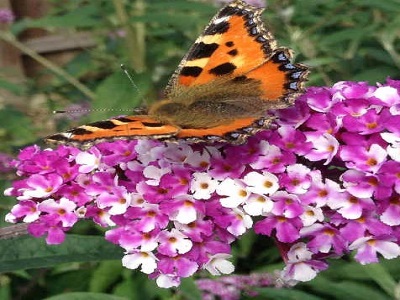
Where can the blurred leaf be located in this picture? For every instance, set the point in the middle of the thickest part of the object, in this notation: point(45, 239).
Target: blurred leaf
point(175, 19)
point(321, 61)
point(245, 244)
point(140, 287)
point(382, 277)
point(5, 288)
point(15, 88)
point(189, 289)
point(27, 252)
point(81, 64)
point(345, 289)
point(75, 280)
point(388, 5)
point(192, 6)
point(285, 294)
point(117, 92)
point(105, 275)
point(85, 296)
point(17, 125)
point(374, 75)
point(346, 35)
point(84, 17)
point(126, 288)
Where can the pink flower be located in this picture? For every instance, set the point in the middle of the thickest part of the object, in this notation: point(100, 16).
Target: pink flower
point(173, 243)
point(40, 186)
point(61, 211)
point(368, 247)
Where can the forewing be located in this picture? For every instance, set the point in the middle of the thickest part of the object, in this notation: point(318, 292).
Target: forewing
point(129, 127)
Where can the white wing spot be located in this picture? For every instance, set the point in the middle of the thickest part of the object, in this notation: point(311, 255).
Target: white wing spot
point(220, 20)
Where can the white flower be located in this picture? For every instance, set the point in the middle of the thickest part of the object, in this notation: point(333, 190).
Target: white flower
point(145, 259)
point(258, 205)
point(263, 184)
point(219, 264)
point(388, 95)
point(311, 215)
point(298, 266)
point(241, 223)
point(167, 281)
point(197, 159)
point(187, 212)
point(235, 190)
point(203, 185)
point(88, 161)
point(154, 174)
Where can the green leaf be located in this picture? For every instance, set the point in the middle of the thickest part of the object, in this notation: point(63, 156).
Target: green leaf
point(5, 289)
point(175, 19)
point(80, 64)
point(105, 275)
point(345, 35)
point(189, 289)
point(285, 294)
point(377, 74)
point(19, 129)
point(345, 289)
point(17, 89)
point(117, 92)
point(138, 287)
point(382, 277)
point(85, 296)
point(84, 17)
point(192, 6)
point(391, 6)
point(72, 280)
point(27, 252)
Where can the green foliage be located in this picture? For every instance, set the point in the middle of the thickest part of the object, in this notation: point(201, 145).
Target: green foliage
point(16, 128)
point(85, 296)
point(339, 39)
point(27, 252)
point(11, 87)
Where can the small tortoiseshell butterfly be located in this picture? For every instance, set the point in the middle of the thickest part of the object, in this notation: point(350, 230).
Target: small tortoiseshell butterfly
point(220, 92)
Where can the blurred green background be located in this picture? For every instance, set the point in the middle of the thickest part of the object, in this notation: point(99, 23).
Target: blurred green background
point(66, 55)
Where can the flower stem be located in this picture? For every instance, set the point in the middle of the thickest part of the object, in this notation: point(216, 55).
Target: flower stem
point(135, 34)
point(13, 231)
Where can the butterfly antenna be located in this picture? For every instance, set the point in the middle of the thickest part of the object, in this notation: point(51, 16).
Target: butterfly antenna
point(82, 111)
point(125, 70)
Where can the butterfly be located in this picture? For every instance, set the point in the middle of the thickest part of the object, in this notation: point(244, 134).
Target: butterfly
point(223, 87)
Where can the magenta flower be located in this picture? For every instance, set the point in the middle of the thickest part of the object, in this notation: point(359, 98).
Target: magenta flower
point(368, 248)
point(234, 286)
point(323, 182)
point(5, 163)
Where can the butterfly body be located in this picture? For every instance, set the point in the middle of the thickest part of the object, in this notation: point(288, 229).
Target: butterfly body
point(220, 92)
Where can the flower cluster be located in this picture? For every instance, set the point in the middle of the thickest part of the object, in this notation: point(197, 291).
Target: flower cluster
point(324, 182)
point(232, 287)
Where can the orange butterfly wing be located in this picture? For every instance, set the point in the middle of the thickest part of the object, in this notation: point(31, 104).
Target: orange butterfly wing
point(235, 45)
point(232, 74)
point(118, 128)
